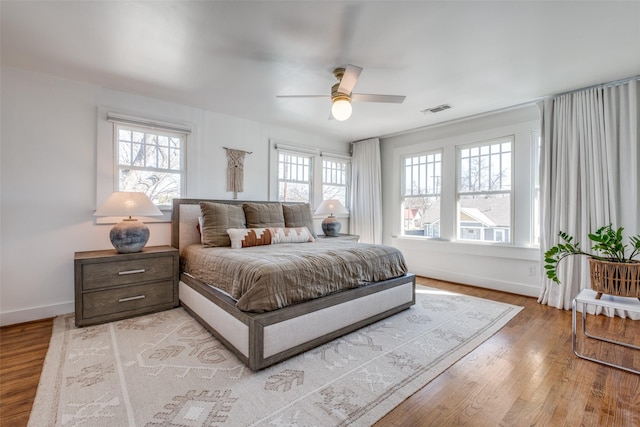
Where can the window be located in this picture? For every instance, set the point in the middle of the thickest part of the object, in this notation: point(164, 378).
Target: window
point(335, 179)
point(306, 174)
point(295, 177)
point(421, 194)
point(150, 161)
point(484, 191)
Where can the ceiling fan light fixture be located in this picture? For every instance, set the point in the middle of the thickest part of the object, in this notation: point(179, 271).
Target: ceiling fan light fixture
point(341, 109)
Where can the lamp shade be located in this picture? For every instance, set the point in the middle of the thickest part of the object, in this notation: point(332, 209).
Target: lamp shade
point(129, 235)
point(341, 109)
point(331, 226)
point(331, 206)
point(128, 203)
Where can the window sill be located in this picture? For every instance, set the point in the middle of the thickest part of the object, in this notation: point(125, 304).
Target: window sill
point(500, 250)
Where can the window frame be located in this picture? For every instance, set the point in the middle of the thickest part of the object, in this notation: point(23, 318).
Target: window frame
point(511, 191)
point(437, 186)
point(346, 161)
point(277, 146)
point(150, 130)
point(106, 181)
point(311, 167)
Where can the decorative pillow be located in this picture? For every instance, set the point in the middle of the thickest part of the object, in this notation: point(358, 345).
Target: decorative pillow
point(247, 237)
point(290, 235)
point(298, 215)
point(217, 218)
point(263, 215)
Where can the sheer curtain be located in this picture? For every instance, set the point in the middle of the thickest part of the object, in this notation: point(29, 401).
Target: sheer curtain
point(366, 191)
point(589, 162)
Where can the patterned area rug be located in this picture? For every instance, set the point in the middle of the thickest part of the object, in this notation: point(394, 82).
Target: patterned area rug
point(164, 369)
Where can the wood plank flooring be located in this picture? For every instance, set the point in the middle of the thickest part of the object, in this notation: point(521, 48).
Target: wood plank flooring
point(23, 348)
point(525, 375)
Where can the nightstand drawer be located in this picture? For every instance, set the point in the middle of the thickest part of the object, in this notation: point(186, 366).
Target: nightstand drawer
point(130, 298)
point(99, 275)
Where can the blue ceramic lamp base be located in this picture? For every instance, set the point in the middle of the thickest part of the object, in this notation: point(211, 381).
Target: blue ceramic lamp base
point(331, 226)
point(129, 235)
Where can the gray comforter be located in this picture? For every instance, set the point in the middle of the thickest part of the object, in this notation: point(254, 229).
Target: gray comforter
point(265, 278)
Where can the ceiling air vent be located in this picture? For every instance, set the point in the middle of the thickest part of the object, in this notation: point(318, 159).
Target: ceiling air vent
point(436, 109)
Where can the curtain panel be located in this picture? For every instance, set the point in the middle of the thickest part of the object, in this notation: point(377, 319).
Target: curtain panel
point(589, 161)
point(366, 191)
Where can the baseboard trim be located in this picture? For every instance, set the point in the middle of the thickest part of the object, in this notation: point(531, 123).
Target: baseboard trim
point(36, 313)
point(482, 282)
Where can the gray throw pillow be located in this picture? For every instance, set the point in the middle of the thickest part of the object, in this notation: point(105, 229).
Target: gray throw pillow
point(217, 218)
point(298, 215)
point(263, 215)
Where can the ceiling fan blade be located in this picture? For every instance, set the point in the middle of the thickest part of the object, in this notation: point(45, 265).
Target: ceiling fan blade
point(302, 96)
point(349, 79)
point(369, 97)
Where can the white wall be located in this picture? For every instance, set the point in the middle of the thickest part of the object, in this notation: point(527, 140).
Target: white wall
point(49, 136)
point(505, 267)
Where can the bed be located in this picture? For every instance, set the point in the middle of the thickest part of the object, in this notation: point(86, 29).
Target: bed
point(261, 335)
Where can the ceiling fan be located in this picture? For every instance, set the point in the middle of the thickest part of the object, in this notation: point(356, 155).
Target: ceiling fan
point(342, 96)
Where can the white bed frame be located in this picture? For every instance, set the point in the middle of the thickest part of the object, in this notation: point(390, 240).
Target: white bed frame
point(260, 340)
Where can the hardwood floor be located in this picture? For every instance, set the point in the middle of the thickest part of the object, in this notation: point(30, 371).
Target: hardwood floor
point(23, 348)
point(526, 374)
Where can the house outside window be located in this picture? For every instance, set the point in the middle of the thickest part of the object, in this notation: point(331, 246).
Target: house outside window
point(335, 180)
point(150, 161)
point(295, 175)
point(421, 186)
point(485, 191)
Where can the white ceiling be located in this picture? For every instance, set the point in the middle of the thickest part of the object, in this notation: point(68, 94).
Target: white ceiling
point(234, 57)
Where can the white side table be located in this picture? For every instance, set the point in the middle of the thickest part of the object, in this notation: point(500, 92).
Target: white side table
point(588, 297)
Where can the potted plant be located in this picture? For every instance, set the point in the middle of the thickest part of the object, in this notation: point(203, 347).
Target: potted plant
point(612, 272)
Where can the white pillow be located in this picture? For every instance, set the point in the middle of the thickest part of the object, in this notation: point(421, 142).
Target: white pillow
point(247, 237)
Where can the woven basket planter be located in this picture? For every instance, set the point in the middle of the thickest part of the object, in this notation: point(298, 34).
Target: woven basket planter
point(615, 278)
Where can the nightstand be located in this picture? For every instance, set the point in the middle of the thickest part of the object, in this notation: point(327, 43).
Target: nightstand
point(353, 237)
point(111, 286)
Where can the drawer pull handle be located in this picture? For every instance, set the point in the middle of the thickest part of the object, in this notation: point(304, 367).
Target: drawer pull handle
point(131, 298)
point(122, 273)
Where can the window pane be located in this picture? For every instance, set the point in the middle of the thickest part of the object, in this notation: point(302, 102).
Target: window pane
point(485, 168)
point(422, 175)
point(175, 160)
point(124, 135)
point(160, 187)
point(124, 153)
point(334, 180)
point(151, 156)
point(335, 192)
point(138, 154)
point(163, 157)
point(485, 218)
point(421, 216)
point(294, 192)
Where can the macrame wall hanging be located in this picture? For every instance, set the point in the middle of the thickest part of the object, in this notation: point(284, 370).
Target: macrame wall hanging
point(235, 170)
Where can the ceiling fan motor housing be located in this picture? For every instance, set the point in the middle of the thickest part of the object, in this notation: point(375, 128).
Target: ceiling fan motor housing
point(335, 95)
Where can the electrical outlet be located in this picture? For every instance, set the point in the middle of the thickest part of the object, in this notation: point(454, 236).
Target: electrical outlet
point(532, 271)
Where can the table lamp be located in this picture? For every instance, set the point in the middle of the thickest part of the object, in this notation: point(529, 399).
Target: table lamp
point(331, 226)
point(129, 235)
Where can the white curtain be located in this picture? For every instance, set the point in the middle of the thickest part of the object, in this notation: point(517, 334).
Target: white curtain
point(589, 162)
point(366, 191)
